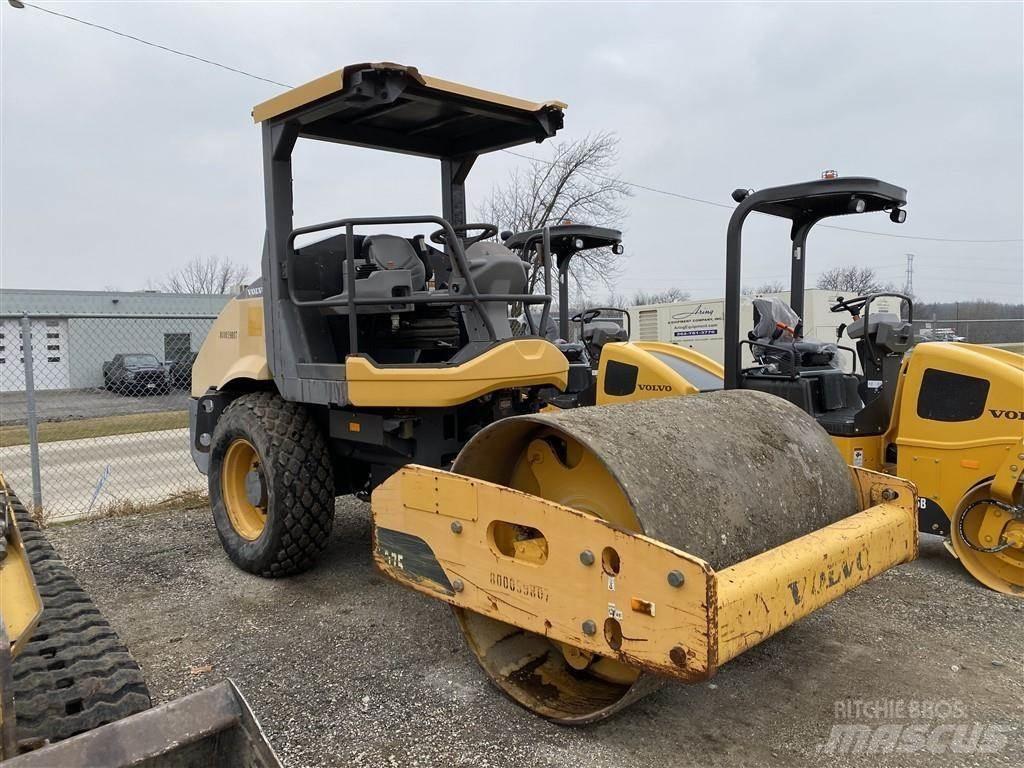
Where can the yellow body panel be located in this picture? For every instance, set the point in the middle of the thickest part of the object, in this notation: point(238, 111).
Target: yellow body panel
point(655, 377)
point(954, 463)
point(20, 604)
point(683, 631)
point(335, 81)
point(946, 459)
point(235, 348)
point(515, 363)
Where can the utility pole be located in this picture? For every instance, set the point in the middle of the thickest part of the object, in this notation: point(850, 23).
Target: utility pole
point(908, 283)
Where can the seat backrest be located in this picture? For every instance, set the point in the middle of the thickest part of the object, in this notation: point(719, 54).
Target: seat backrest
point(599, 333)
point(769, 313)
point(394, 252)
point(495, 269)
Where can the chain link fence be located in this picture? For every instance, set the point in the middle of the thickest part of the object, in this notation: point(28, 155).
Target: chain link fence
point(1006, 333)
point(93, 410)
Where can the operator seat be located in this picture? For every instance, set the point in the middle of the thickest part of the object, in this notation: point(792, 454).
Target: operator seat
point(495, 269)
point(597, 333)
point(776, 324)
point(389, 252)
point(804, 371)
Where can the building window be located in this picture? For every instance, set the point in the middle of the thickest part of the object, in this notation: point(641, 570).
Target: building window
point(53, 347)
point(53, 359)
point(177, 346)
point(53, 335)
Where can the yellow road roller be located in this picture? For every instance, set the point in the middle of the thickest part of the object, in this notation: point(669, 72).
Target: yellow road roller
point(947, 416)
point(589, 551)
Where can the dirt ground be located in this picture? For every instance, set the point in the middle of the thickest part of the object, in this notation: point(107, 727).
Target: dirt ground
point(343, 667)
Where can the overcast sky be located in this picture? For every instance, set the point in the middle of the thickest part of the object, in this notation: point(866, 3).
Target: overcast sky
point(121, 162)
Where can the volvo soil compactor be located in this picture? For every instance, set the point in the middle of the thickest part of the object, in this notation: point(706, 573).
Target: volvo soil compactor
point(589, 552)
point(71, 695)
point(947, 416)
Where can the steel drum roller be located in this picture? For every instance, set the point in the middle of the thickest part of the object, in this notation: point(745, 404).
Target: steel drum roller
point(722, 475)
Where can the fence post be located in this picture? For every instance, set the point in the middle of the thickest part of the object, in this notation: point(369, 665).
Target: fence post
point(30, 412)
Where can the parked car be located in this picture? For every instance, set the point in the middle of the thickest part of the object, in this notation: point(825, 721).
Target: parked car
point(180, 371)
point(136, 373)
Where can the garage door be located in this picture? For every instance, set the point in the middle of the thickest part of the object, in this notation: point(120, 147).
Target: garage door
point(49, 355)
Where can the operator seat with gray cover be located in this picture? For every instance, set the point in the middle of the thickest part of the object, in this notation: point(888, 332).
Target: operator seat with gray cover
point(778, 332)
point(388, 266)
point(495, 269)
point(599, 332)
point(804, 371)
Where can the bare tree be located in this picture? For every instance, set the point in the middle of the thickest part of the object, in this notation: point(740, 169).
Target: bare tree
point(577, 184)
point(857, 280)
point(667, 296)
point(769, 286)
point(212, 274)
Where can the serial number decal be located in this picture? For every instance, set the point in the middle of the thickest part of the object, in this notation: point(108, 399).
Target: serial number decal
point(516, 587)
point(229, 334)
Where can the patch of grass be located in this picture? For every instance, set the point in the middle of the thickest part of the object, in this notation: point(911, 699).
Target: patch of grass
point(189, 499)
point(80, 429)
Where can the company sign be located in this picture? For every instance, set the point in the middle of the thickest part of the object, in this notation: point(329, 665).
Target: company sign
point(697, 321)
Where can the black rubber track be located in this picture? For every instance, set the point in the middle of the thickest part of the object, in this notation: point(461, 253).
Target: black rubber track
point(296, 464)
point(74, 674)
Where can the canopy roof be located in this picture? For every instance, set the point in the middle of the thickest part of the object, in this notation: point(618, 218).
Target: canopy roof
point(827, 197)
point(564, 237)
point(394, 107)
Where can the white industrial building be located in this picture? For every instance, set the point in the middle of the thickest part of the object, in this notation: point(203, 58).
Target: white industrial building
point(75, 332)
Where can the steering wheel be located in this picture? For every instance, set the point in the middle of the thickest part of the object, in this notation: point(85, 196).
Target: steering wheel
point(586, 316)
point(853, 306)
point(489, 230)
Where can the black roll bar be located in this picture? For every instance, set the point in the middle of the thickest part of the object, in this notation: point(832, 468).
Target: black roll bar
point(804, 204)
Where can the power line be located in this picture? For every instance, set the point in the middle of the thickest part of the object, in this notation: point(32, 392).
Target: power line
point(155, 45)
point(635, 185)
point(693, 199)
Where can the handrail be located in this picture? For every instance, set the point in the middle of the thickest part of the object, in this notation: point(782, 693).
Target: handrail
point(793, 374)
point(353, 302)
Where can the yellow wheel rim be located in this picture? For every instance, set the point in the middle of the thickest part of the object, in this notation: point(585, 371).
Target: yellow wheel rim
point(581, 481)
point(244, 489)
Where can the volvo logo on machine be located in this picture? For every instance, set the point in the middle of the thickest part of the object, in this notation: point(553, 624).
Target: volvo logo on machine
point(1003, 414)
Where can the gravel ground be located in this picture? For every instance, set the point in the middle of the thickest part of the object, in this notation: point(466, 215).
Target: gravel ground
point(343, 667)
point(66, 404)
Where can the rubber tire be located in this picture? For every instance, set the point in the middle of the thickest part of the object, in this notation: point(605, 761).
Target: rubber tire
point(74, 673)
point(300, 493)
